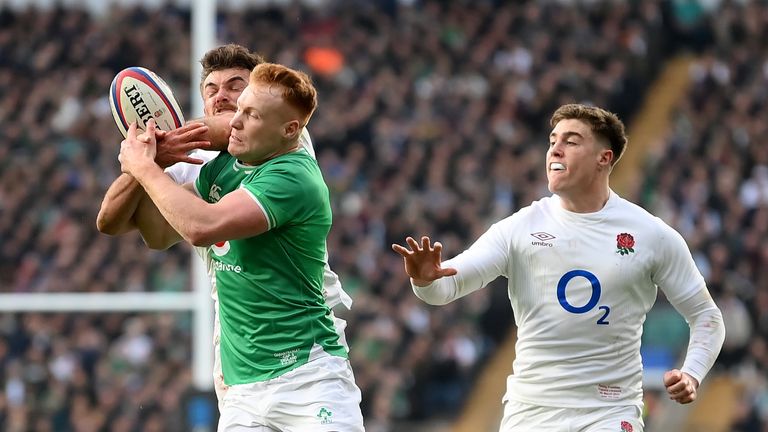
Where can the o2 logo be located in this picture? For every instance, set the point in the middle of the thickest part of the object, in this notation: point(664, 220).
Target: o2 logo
point(593, 299)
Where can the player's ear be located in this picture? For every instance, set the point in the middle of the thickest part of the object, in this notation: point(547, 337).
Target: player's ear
point(291, 129)
point(605, 158)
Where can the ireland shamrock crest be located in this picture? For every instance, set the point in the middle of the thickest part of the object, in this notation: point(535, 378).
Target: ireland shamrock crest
point(624, 244)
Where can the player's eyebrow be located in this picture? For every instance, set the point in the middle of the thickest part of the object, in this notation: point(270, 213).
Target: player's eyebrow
point(228, 81)
point(567, 134)
point(248, 109)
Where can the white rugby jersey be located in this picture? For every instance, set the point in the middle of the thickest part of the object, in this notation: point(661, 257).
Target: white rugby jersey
point(580, 286)
point(182, 173)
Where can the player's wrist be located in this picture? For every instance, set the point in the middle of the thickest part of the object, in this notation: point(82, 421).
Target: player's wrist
point(146, 170)
point(692, 379)
point(421, 283)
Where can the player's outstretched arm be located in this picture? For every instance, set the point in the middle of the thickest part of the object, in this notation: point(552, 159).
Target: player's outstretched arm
point(118, 208)
point(422, 262)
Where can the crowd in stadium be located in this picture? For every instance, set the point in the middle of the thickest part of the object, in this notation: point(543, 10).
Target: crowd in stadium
point(432, 119)
point(710, 180)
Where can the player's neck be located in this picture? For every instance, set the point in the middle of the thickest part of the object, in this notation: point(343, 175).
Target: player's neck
point(289, 148)
point(589, 202)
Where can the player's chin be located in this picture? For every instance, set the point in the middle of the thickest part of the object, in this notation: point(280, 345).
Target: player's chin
point(233, 147)
point(553, 185)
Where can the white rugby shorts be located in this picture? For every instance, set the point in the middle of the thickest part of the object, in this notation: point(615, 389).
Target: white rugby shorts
point(320, 396)
point(523, 417)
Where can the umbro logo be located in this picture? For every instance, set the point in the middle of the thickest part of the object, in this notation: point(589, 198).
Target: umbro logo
point(543, 236)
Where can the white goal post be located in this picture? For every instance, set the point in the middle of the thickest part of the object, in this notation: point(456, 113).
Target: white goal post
point(198, 303)
point(97, 302)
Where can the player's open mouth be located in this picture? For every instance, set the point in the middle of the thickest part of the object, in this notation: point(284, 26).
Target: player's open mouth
point(556, 166)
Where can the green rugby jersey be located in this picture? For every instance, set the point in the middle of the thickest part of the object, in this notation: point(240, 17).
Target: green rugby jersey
point(271, 305)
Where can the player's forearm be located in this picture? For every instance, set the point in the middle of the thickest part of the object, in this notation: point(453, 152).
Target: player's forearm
point(707, 333)
point(186, 213)
point(218, 130)
point(119, 205)
point(156, 232)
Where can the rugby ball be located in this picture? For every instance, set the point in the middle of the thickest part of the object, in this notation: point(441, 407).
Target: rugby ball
point(138, 94)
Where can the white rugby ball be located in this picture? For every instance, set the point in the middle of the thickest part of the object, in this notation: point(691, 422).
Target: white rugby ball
point(137, 94)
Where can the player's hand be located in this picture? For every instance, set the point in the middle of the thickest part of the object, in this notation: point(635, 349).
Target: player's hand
point(422, 262)
point(681, 387)
point(138, 151)
point(173, 146)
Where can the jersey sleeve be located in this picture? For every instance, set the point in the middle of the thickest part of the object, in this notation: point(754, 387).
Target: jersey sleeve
point(677, 276)
point(707, 333)
point(287, 193)
point(675, 272)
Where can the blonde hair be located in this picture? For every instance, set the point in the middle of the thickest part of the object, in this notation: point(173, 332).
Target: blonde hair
point(297, 88)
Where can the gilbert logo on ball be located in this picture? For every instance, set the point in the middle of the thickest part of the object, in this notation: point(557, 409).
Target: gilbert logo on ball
point(138, 94)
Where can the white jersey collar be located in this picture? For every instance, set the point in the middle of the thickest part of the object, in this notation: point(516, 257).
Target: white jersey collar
point(586, 218)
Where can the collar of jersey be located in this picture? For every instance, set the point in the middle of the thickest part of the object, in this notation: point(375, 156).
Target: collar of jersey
point(588, 218)
point(237, 165)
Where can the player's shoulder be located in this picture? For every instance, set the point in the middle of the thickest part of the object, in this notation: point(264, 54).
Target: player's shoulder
point(205, 155)
point(538, 208)
point(219, 162)
point(626, 207)
point(631, 214)
point(186, 172)
point(295, 160)
point(220, 167)
point(296, 168)
point(536, 211)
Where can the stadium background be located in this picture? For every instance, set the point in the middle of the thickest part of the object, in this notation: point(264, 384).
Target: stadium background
point(432, 119)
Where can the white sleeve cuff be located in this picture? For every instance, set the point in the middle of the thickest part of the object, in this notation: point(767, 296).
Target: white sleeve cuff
point(439, 292)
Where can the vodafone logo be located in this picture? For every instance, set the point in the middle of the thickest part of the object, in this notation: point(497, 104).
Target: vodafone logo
point(220, 248)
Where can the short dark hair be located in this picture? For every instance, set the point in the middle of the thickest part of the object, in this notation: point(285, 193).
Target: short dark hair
point(228, 56)
point(603, 123)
